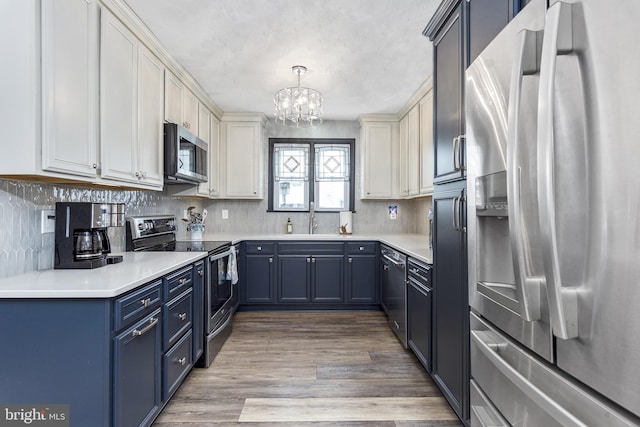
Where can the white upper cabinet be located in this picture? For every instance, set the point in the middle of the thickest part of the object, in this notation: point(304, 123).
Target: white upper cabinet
point(205, 133)
point(150, 118)
point(49, 89)
point(378, 156)
point(426, 144)
point(180, 104)
point(242, 155)
point(416, 147)
point(214, 158)
point(130, 107)
point(413, 149)
point(409, 164)
point(69, 86)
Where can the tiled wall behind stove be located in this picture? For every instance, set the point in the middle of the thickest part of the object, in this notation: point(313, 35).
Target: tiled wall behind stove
point(23, 248)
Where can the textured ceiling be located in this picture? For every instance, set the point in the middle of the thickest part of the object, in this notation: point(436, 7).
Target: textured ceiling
point(365, 56)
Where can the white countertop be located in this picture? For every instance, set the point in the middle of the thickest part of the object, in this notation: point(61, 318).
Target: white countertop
point(413, 245)
point(135, 270)
point(139, 268)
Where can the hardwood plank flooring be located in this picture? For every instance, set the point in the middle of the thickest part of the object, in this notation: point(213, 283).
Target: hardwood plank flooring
point(316, 368)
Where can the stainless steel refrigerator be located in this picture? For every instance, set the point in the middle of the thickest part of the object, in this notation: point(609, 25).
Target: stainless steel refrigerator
point(553, 218)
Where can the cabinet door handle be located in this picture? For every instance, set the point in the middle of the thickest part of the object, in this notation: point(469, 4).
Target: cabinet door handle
point(313, 260)
point(146, 302)
point(270, 260)
point(385, 267)
point(182, 316)
point(308, 260)
point(201, 272)
point(182, 361)
point(350, 260)
point(152, 323)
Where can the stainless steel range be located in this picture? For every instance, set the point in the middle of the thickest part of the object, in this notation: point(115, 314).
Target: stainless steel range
point(158, 233)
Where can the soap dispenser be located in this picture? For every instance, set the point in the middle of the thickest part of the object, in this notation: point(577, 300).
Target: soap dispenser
point(289, 228)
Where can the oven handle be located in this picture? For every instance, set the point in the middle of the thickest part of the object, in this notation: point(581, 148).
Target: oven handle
point(223, 254)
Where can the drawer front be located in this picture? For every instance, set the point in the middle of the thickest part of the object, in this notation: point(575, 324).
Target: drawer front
point(254, 248)
point(315, 248)
point(178, 317)
point(177, 283)
point(136, 305)
point(363, 248)
point(176, 364)
point(420, 272)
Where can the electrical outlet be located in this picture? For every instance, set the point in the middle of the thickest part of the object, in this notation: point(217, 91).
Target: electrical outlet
point(225, 214)
point(47, 221)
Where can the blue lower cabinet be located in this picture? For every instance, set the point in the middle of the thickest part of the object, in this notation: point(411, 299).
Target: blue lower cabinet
point(293, 279)
point(176, 364)
point(327, 278)
point(114, 361)
point(137, 358)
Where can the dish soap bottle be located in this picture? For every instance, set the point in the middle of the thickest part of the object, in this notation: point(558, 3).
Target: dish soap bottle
point(289, 227)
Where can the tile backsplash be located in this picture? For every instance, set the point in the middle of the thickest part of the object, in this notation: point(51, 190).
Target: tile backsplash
point(23, 248)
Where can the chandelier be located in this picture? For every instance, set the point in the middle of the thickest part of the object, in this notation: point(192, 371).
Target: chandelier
point(298, 106)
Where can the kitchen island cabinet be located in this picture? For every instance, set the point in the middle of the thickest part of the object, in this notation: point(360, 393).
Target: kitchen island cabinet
point(114, 361)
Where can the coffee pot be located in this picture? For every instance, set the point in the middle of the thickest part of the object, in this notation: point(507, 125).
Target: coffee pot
point(81, 239)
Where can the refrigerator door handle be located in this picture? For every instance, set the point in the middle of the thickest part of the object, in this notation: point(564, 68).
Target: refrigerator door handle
point(490, 346)
point(454, 214)
point(527, 287)
point(454, 153)
point(563, 301)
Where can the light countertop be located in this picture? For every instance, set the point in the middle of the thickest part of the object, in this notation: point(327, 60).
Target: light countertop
point(135, 270)
point(413, 245)
point(139, 268)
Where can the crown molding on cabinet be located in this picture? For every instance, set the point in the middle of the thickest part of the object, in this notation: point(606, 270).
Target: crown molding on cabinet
point(424, 89)
point(140, 29)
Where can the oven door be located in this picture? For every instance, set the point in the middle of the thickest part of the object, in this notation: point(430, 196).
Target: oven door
point(219, 290)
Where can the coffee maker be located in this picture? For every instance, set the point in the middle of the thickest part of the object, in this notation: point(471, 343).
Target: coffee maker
point(81, 239)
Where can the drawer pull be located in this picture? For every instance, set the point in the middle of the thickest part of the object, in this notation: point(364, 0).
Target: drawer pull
point(259, 248)
point(182, 361)
point(152, 323)
point(146, 302)
point(182, 316)
point(361, 248)
point(183, 280)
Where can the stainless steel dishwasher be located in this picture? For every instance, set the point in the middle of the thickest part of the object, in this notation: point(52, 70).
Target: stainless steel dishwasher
point(394, 291)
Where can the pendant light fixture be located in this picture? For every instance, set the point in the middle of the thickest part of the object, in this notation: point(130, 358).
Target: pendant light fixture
point(298, 106)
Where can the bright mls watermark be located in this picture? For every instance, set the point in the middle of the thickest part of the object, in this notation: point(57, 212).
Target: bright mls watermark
point(34, 415)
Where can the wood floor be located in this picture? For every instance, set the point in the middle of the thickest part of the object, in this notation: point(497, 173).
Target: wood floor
point(310, 369)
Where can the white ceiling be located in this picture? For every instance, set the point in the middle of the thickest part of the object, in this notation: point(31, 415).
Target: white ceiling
point(365, 56)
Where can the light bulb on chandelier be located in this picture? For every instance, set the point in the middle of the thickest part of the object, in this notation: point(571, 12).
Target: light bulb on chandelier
point(298, 106)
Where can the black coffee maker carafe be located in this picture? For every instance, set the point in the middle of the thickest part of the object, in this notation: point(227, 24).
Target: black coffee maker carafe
point(81, 239)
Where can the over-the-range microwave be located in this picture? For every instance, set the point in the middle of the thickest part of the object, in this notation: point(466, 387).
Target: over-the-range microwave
point(185, 156)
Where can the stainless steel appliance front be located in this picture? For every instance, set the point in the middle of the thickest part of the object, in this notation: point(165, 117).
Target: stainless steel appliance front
point(549, 111)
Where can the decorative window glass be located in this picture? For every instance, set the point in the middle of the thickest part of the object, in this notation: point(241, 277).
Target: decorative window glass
point(303, 171)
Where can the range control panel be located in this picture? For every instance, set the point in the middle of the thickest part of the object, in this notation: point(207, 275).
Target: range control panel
point(146, 226)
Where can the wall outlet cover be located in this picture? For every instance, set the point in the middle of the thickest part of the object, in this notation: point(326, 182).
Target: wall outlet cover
point(225, 214)
point(47, 221)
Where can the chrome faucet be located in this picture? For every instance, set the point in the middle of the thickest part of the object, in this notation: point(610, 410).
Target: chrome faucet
point(312, 217)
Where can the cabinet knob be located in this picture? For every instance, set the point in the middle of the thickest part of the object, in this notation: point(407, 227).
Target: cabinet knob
point(308, 260)
point(182, 316)
point(146, 302)
point(270, 260)
point(95, 166)
point(361, 248)
point(350, 260)
point(182, 361)
point(259, 248)
point(385, 267)
point(313, 259)
point(183, 280)
point(201, 272)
